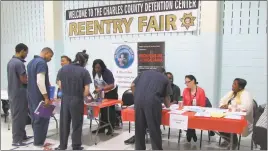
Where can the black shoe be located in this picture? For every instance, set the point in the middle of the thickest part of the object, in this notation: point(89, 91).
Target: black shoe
point(211, 133)
point(19, 144)
point(131, 140)
point(189, 137)
point(194, 137)
point(100, 131)
point(58, 148)
point(234, 147)
point(26, 138)
point(78, 148)
point(110, 132)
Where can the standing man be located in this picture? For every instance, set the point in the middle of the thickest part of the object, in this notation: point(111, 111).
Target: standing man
point(150, 89)
point(38, 90)
point(175, 89)
point(74, 80)
point(17, 83)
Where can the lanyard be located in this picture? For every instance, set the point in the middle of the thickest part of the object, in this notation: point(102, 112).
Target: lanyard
point(194, 94)
point(229, 102)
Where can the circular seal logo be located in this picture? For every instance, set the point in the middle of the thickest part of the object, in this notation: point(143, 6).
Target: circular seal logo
point(124, 56)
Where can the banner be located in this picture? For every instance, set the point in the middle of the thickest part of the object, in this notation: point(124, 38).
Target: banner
point(125, 65)
point(132, 18)
point(151, 55)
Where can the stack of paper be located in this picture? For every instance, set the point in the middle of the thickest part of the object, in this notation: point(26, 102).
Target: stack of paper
point(94, 103)
point(176, 112)
point(202, 114)
point(236, 113)
point(174, 107)
point(210, 110)
point(131, 106)
point(193, 108)
point(235, 117)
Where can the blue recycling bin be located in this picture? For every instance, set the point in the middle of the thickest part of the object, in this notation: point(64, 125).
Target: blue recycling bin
point(51, 92)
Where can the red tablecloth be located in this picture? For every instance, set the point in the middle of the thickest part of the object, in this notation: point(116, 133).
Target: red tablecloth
point(105, 103)
point(203, 123)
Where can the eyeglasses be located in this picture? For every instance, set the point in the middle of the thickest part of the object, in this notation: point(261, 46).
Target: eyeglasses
point(186, 82)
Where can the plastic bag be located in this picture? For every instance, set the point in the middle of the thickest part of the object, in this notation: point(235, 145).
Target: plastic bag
point(57, 104)
point(88, 100)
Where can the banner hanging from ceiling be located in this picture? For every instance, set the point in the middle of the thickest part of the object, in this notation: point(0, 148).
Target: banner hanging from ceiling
point(134, 18)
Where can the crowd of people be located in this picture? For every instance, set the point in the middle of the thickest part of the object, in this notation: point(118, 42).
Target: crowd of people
point(26, 88)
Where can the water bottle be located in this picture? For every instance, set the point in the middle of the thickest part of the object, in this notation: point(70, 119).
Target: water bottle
point(102, 94)
point(194, 102)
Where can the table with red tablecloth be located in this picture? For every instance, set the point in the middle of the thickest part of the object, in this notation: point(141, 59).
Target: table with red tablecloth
point(194, 122)
point(96, 112)
point(203, 123)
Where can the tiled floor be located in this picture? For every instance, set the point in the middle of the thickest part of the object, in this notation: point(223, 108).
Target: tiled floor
point(116, 142)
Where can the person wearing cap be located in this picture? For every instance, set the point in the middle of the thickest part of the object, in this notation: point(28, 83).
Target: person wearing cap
point(151, 88)
point(193, 95)
point(38, 90)
point(17, 94)
point(74, 81)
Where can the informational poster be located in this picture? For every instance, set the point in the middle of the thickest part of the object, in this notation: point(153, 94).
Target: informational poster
point(177, 121)
point(151, 55)
point(125, 65)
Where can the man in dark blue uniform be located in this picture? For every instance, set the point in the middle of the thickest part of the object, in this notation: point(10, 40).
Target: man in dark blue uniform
point(38, 90)
point(150, 89)
point(17, 82)
point(74, 82)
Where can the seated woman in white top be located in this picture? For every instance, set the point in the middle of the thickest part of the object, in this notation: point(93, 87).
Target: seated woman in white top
point(242, 101)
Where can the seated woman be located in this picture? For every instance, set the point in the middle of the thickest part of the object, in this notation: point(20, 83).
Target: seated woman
point(241, 100)
point(104, 79)
point(193, 95)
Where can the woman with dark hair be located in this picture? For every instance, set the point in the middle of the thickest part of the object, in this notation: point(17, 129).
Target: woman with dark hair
point(241, 100)
point(104, 81)
point(193, 95)
point(74, 82)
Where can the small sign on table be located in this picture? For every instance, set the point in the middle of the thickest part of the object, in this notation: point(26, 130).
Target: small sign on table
point(177, 121)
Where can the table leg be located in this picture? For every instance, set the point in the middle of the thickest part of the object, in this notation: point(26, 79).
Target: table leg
point(239, 142)
point(98, 129)
point(57, 125)
point(128, 127)
point(108, 114)
point(231, 141)
point(90, 123)
point(201, 139)
point(8, 122)
point(179, 138)
point(168, 132)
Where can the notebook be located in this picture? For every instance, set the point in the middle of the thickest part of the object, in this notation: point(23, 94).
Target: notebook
point(44, 111)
